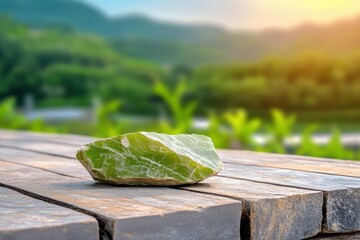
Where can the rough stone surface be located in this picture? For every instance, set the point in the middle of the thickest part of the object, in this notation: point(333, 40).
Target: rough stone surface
point(23, 217)
point(268, 210)
point(151, 159)
point(341, 194)
point(133, 212)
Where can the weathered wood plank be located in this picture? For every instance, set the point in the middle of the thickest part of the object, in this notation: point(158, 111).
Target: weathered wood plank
point(348, 236)
point(133, 212)
point(69, 139)
point(256, 155)
point(272, 211)
point(60, 165)
point(51, 148)
point(330, 166)
point(23, 217)
point(304, 161)
point(247, 190)
point(341, 194)
point(319, 165)
point(76, 140)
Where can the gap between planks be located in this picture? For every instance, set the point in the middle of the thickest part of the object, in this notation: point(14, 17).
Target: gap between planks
point(104, 234)
point(310, 214)
point(179, 204)
point(265, 182)
point(228, 156)
point(77, 140)
point(25, 217)
point(271, 181)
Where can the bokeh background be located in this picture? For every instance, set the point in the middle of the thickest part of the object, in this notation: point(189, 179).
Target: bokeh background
point(277, 76)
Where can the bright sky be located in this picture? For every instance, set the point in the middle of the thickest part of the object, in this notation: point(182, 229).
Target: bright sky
point(236, 14)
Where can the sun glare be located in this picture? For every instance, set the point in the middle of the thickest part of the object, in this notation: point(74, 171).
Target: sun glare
point(327, 5)
point(287, 14)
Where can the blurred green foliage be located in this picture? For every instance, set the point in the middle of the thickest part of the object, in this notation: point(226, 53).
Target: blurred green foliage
point(333, 149)
point(241, 127)
point(105, 122)
point(217, 132)
point(182, 115)
point(306, 82)
point(60, 68)
point(67, 68)
point(11, 119)
point(231, 130)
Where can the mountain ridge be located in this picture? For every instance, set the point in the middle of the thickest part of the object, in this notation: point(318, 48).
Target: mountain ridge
point(172, 43)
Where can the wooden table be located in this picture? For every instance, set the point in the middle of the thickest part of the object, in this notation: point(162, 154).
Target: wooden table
point(45, 193)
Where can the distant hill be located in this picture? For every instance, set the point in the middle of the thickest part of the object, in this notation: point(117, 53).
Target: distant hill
point(142, 37)
point(50, 13)
point(85, 18)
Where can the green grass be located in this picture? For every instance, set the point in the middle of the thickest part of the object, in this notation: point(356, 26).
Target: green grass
point(231, 129)
point(344, 127)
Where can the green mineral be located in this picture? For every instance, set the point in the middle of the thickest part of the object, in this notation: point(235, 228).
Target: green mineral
point(147, 158)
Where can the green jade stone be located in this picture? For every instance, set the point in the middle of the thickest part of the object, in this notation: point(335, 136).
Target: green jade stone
point(147, 158)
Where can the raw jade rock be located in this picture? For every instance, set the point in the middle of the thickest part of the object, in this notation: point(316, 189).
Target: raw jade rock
point(146, 158)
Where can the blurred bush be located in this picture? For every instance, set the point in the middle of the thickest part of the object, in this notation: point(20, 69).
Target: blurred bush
point(306, 82)
point(60, 68)
point(11, 119)
point(181, 114)
point(224, 130)
point(67, 68)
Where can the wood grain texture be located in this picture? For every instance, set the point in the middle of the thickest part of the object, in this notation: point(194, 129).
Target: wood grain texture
point(266, 155)
point(341, 194)
point(23, 217)
point(319, 165)
point(68, 139)
point(255, 194)
point(272, 211)
point(348, 236)
point(50, 148)
point(60, 165)
point(298, 173)
point(132, 213)
point(41, 143)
